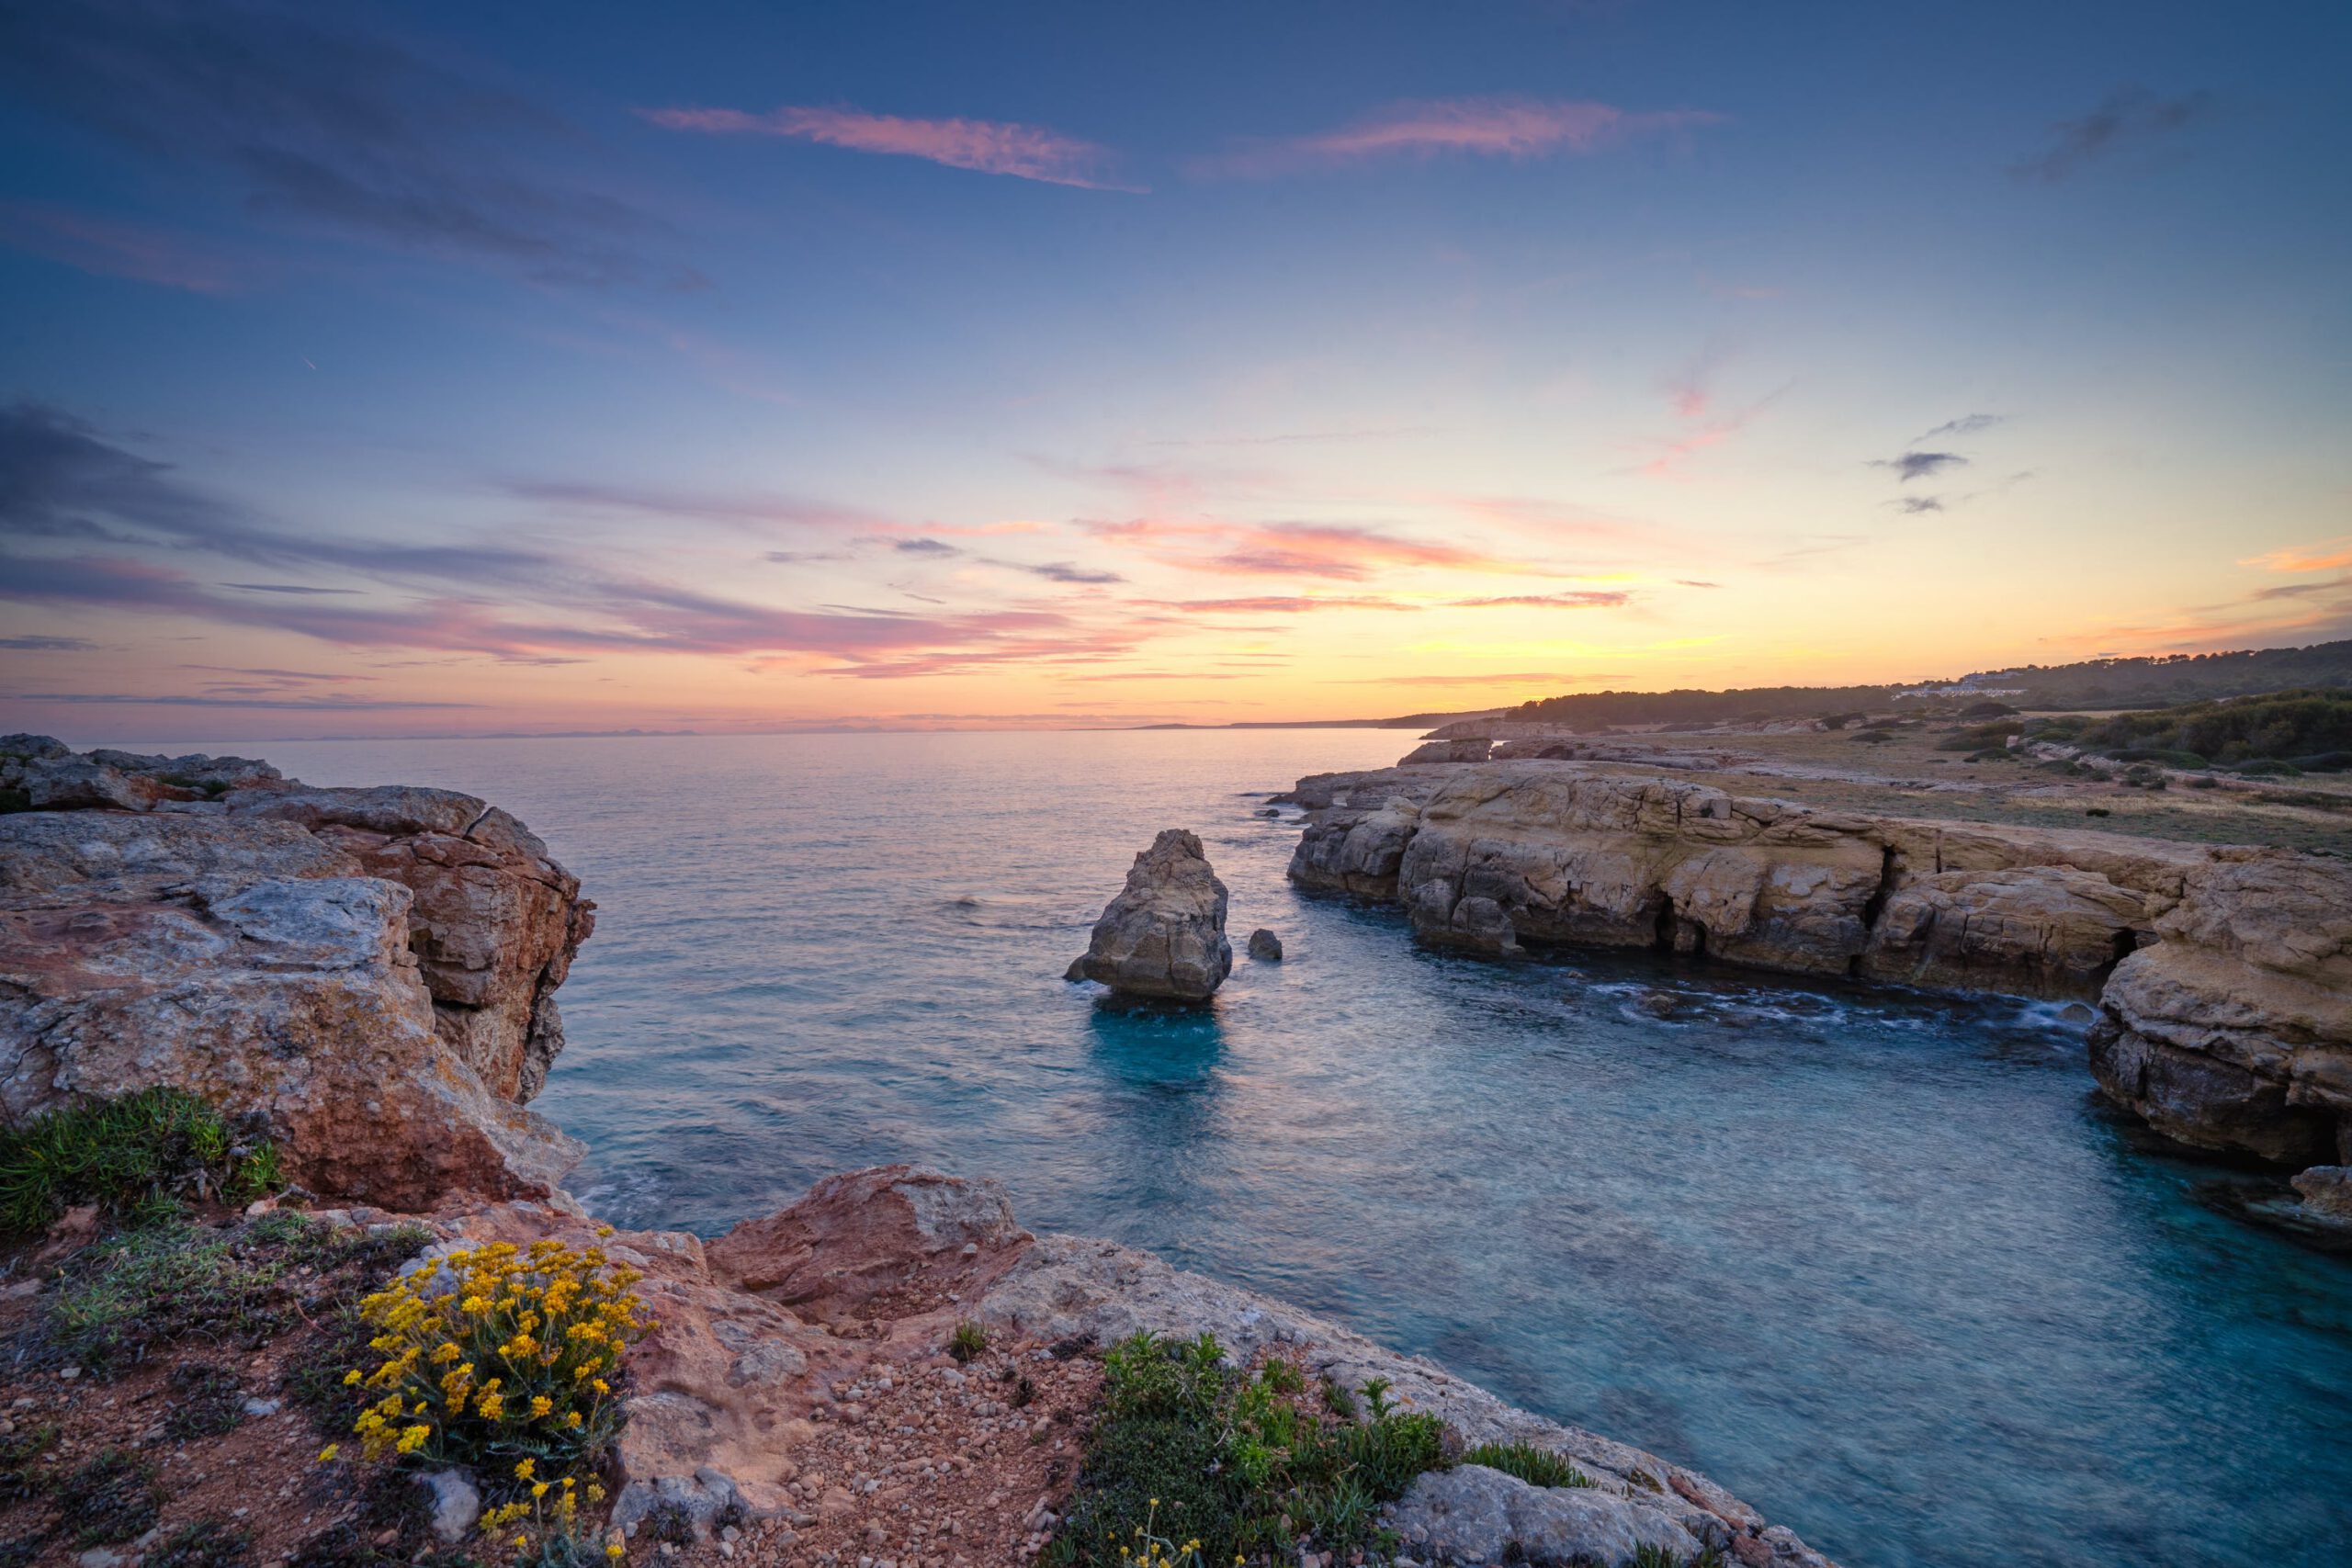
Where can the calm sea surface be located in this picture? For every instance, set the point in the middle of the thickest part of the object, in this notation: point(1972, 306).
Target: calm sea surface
point(1873, 1261)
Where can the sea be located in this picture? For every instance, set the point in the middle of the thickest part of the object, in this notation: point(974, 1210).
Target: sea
point(1877, 1260)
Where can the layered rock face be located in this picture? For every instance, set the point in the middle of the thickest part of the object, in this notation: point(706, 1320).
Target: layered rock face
point(369, 971)
point(1163, 937)
point(2223, 974)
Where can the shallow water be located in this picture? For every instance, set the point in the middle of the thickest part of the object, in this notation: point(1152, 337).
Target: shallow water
point(1874, 1261)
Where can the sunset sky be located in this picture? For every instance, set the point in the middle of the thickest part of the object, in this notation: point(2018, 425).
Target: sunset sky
point(451, 369)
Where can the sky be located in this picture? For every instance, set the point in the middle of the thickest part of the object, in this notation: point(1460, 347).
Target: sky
point(571, 368)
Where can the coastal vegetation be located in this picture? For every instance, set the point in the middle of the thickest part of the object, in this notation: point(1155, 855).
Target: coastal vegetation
point(1537, 1467)
point(138, 1157)
point(503, 1361)
point(2307, 730)
point(1196, 1460)
point(2158, 681)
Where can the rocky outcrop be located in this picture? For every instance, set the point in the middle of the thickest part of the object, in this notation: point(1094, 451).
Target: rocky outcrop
point(774, 1339)
point(1445, 751)
point(1265, 946)
point(2223, 974)
point(1163, 937)
point(370, 972)
point(892, 1241)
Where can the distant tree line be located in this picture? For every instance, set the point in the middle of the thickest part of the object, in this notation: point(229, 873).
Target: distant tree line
point(2158, 681)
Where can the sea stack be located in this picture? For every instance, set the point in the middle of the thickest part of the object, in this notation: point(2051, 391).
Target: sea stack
point(1163, 936)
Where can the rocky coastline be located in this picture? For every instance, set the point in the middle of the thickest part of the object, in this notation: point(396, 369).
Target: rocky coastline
point(368, 976)
point(2222, 975)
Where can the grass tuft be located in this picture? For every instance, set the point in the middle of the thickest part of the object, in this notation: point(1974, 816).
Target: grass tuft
point(136, 1157)
point(970, 1339)
point(1537, 1467)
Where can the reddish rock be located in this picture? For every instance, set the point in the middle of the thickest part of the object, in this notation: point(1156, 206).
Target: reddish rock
point(892, 1242)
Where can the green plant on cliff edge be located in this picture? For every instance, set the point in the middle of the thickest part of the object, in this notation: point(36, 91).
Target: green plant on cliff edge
point(1537, 1467)
point(136, 1157)
point(1224, 1465)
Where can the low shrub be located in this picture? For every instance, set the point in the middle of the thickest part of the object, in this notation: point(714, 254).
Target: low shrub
point(137, 1158)
point(1537, 1467)
point(1196, 1461)
point(504, 1359)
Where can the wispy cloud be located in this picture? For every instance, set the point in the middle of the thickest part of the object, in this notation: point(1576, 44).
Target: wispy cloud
point(1506, 678)
point(93, 524)
point(1584, 599)
point(1515, 127)
point(1909, 466)
point(47, 644)
point(1065, 572)
point(1912, 505)
point(323, 704)
point(1966, 424)
point(990, 147)
point(1341, 552)
point(2326, 556)
point(2130, 117)
point(326, 123)
point(113, 248)
point(745, 509)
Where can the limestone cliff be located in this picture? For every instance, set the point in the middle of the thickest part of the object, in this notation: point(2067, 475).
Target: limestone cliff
point(370, 971)
point(2223, 973)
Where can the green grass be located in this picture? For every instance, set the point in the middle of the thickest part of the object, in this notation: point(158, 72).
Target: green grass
point(237, 1285)
point(137, 1158)
point(1537, 1467)
point(1248, 1464)
point(969, 1339)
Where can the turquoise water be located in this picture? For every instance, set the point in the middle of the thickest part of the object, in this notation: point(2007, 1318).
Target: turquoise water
point(1876, 1261)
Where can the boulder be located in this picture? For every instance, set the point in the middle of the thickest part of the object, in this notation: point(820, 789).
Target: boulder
point(892, 1241)
point(1265, 946)
point(1163, 936)
point(1472, 1514)
point(369, 971)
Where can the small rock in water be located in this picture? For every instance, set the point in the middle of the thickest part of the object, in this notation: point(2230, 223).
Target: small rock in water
point(1656, 1004)
point(1265, 946)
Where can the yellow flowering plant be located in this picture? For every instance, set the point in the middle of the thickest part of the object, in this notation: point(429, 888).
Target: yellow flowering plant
point(498, 1357)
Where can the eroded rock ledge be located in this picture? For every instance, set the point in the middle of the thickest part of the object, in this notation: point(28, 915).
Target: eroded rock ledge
point(370, 971)
point(2224, 976)
point(775, 1334)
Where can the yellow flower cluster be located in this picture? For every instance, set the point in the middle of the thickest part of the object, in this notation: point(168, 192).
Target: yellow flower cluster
point(547, 1513)
point(518, 1357)
point(1157, 1550)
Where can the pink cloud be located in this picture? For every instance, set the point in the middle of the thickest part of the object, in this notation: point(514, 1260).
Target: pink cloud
point(111, 249)
point(991, 147)
point(2327, 556)
point(1333, 550)
point(1476, 127)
